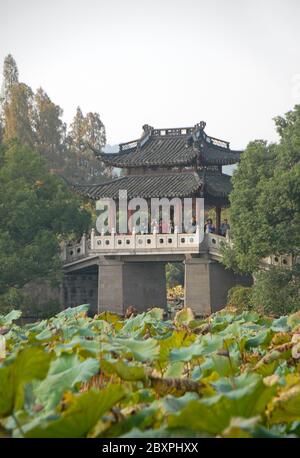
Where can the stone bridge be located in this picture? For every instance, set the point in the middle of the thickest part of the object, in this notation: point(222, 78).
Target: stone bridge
point(113, 272)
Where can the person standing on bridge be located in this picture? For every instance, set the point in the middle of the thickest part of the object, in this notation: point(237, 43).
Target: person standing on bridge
point(209, 227)
point(225, 227)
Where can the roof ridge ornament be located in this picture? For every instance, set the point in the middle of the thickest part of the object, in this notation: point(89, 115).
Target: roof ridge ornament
point(146, 134)
point(198, 130)
point(147, 129)
point(201, 125)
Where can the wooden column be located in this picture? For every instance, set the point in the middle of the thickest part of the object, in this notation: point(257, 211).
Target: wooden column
point(218, 219)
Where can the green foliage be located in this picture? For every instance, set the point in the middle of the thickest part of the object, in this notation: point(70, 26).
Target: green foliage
point(64, 373)
point(247, 398)
point(36, 209)
point(29, 364)
point(265, 201)
point(82, 166)
point(49, 130)
point(265, 216)
point(10, 317)
point(80, 417)
point(46, 309)
point(277, 291)
point(231, 375)
point(12, 298)
point(17, 115)
point(174, 274)
point(239, 297)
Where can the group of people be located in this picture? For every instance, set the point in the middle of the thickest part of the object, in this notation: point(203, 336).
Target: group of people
point(163, 227)
point(210, 228)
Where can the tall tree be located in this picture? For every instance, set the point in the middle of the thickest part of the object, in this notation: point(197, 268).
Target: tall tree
point(49, 129)
point(94, 131)
point(18, 115)
point(77, 132)
point(83, 130)
point(10, 77)
point(36, 121)
point(265, 202)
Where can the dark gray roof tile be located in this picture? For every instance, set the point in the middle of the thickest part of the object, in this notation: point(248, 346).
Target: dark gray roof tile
point(171, 147)
point(167, 185)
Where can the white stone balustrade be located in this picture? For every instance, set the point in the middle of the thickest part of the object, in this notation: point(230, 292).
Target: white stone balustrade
point(216, 241)
point(148, 242)
point(155, 243)
point(279, 261)
point(132, 244)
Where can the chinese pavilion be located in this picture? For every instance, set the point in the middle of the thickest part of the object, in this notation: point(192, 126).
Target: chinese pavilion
point(177, 162)
point(114, 270)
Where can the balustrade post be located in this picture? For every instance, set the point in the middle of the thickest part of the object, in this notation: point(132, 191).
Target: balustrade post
point(155, 232)
point(176, 232)
point(113, 233)
point(83, 243)
point(93, 239)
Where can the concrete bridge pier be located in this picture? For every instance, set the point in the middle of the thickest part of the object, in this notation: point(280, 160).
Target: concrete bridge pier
point(80, 287)
point(207, 283)
point(130, 283)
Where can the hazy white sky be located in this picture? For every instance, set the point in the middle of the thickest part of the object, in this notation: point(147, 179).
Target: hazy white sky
point(168, 63)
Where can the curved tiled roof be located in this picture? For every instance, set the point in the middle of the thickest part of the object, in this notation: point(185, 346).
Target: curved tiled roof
point(213, 155)
point(167, 185)
point(171, 147)
point(155, 152)
point(146, 186)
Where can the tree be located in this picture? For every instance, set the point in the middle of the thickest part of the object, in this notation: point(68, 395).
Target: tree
point(83, 166)
point(77, 132)
point(37, 122)
point(18, 115)
point(277, 291)
point(10, 77)
point(94, 131)
point(49, 129)
point(36, 210)
point(16, 105)
point(265, 201)
point(265, 212)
